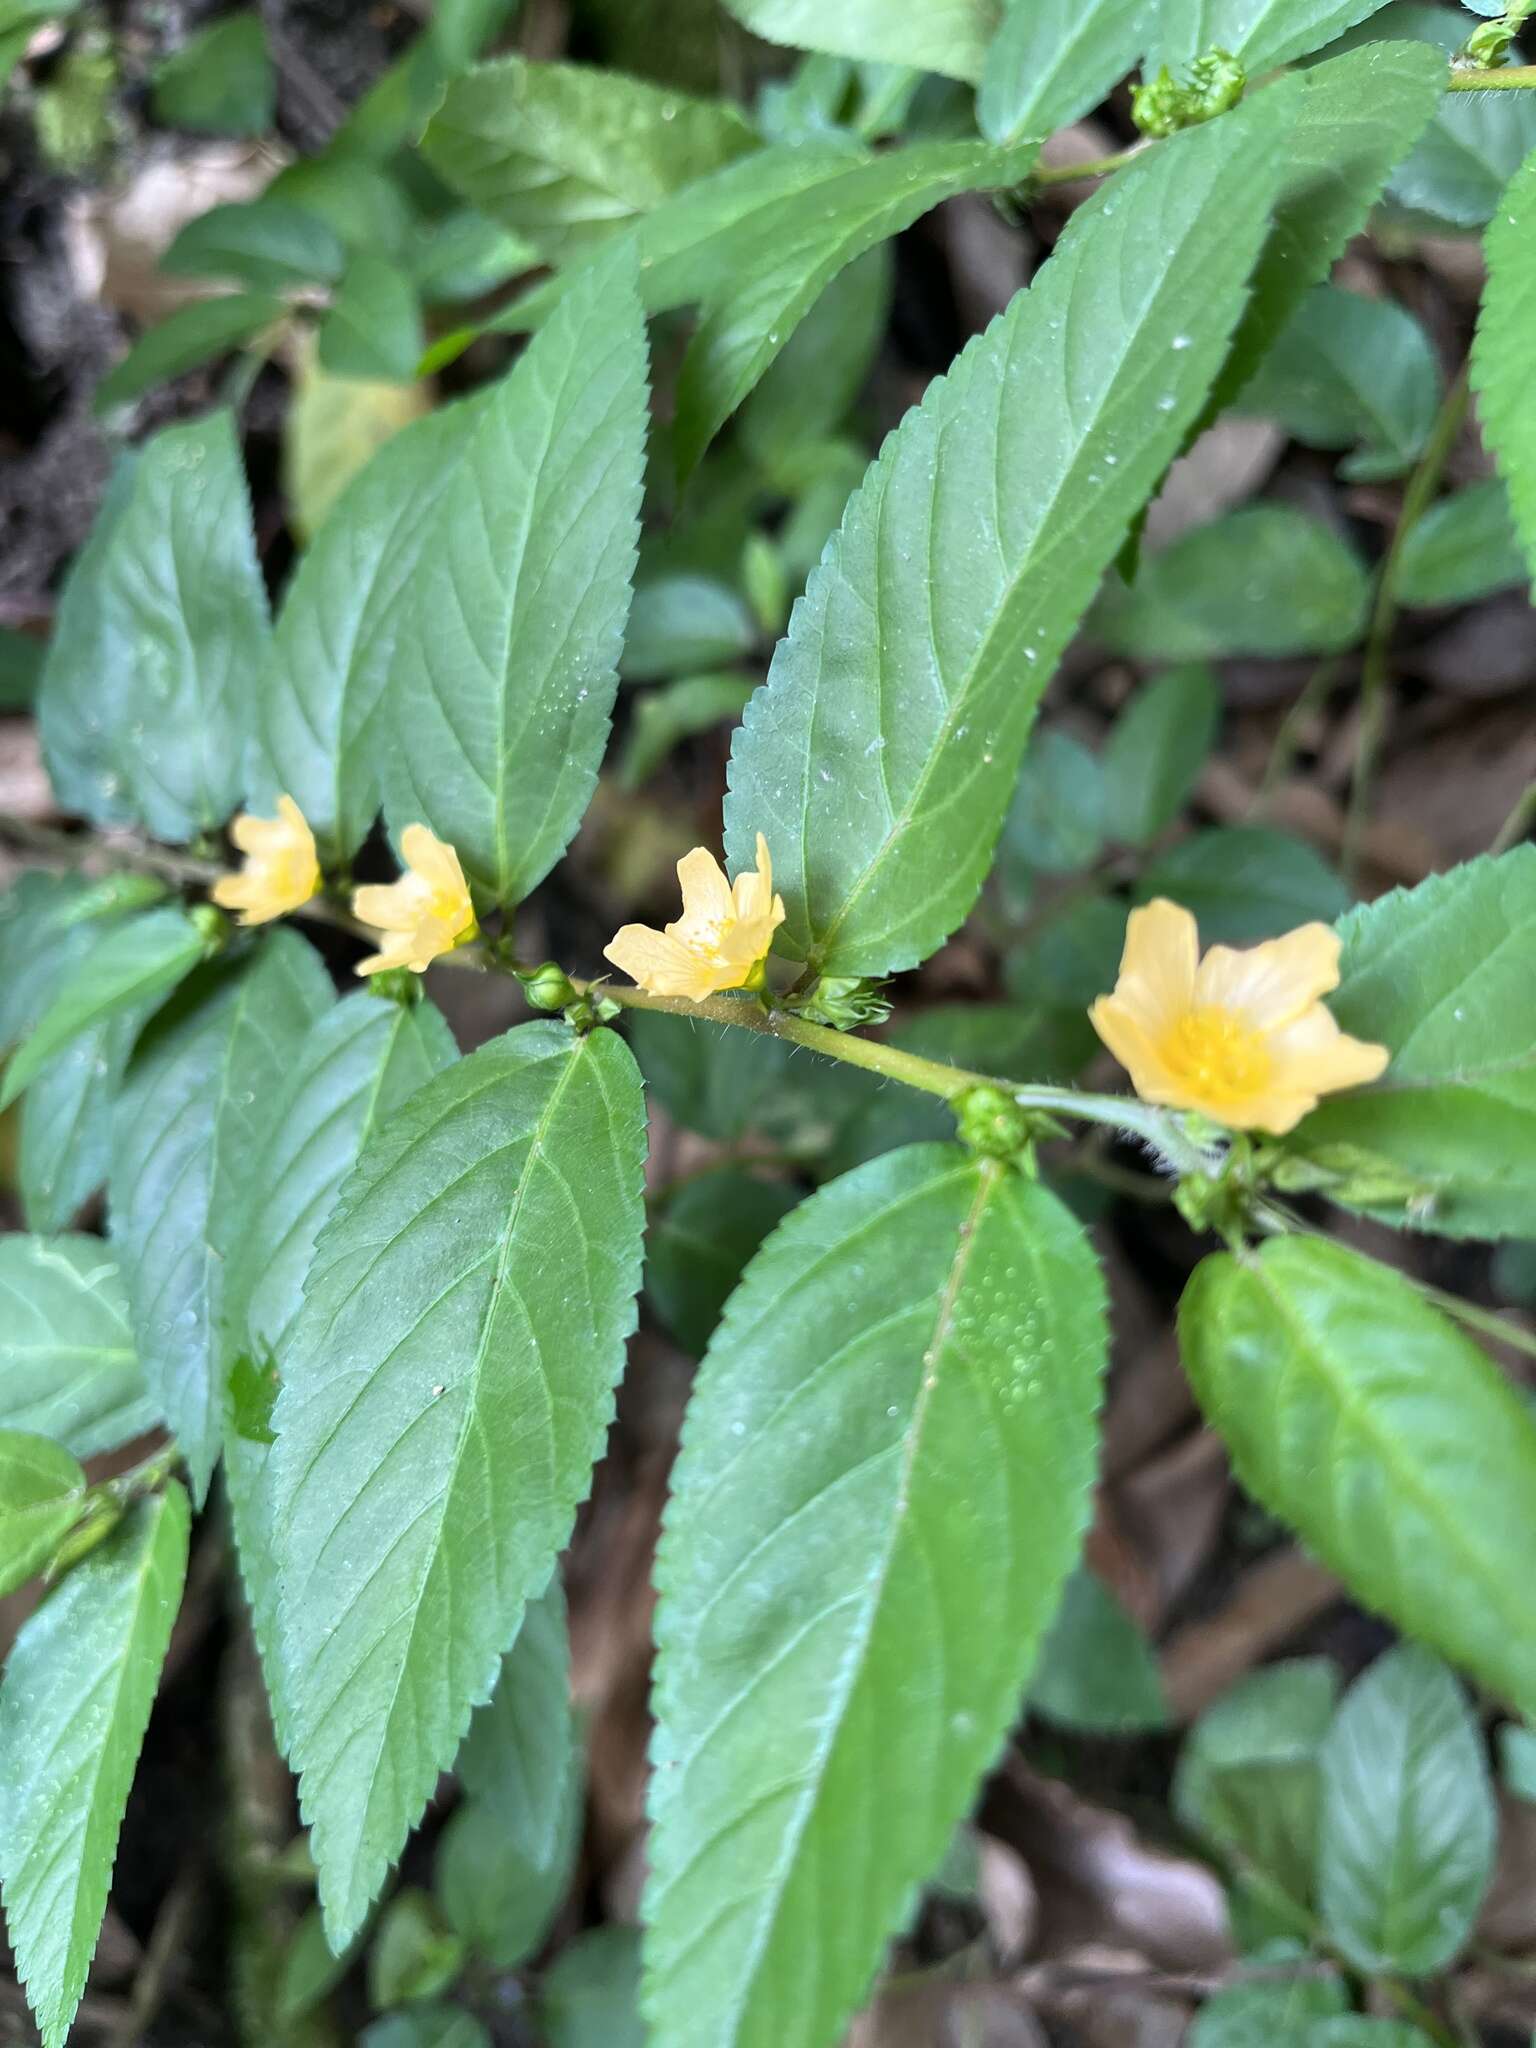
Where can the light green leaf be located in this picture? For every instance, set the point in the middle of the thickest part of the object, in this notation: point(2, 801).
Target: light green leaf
point(221, 81)
point(319, 709)
point(947, 36)
point(1260, 34)
point(42, 1490)
point(768, 285)
point(188, 1125)
point(1096, 1669)
point(682, 623)
point(1517, 1761)
point(504, 664)
point(47, 923)
point(1248, 1784)
point(1351, 372)
point(1268, 2015)
point(66, 1123)
point(1501, 353)
point(1052, 61)
point(1475, 143)
point(1056, 820)
point(590, 1995)
point(268, 244)
point(147, 695)
point(467, 1306)
point(662, 719)
point(68, 1367)
point(373, 329)
point(1245, 883)
point(362, 1060)
point(931, 628)
point(501, 1888)
point(697, 1248)
point(1408, 1824)
point(1265, 580)
point(460, 29)
point(1444, 975)
point(74, 1704)
point(518, 1758)
point(412, 1955)
point(929, 1326)
point(1367, 1421)
point(134, 965)
point(1465, 547)
point(1359, 113)
point(564, 154)
point(193, 334)
point(1156, 750)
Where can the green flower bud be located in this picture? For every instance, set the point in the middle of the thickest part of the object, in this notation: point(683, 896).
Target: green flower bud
point(211, 925)
point(1163, 105)
point(547, 987)
point(841, 1001)
point(396, 985)
point(992, 1123)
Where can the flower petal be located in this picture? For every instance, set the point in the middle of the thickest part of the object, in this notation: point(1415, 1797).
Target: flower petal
point(1312, 1054)
point(1269, 985)
point(1125, 1035)
point(658, 962)
point(391, 906)
point(1157, 967)
point(706, 893)
point(434, 860)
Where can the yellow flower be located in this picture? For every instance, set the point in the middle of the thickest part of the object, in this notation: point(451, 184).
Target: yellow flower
point(1240, 1036)
point(281, 870)
point(721, 940)
point(425, 913)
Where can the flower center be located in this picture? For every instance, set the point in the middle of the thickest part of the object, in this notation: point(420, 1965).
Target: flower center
point(1217, 1053)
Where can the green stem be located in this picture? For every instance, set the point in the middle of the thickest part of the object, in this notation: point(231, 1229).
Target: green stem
point(1521, 818)
point(1096, 167)
point(1508, 78)
point(82, 850)
point(1375, 672)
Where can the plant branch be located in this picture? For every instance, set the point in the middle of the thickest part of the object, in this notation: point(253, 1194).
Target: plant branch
point(1519, 822)
point(1507, 78)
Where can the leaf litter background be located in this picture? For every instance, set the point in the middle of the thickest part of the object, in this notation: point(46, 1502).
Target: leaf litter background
point(1078, 1908)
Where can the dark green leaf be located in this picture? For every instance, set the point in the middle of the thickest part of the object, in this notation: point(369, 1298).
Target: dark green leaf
point(518, 1757)
point(191, 1116)
point(412, 1955)
point(429, 2026)
point(698, 1246)
point(374, 326)
point(1260, 34)
point(42, 1491)
point(221, 81)
point(1355, 2030)
point(1517, 1761)
point(1444, 975)
point(21, 669)
point(1367, 1421)
point(1055, 823)
point(68, 1367)
point(1351, 372)
point(500, 1890)
point(1264, 580)
point(1052, 61)
point(1073, 958)
point(310, 1971)
point(1096, 1669)
point(1408, 1824)
point(193, 334)
point(504, 665)
point(1268, 2015)
point(66, 1122)
point(265, 243)
point(465, 256)
point(805, 394)
point(1465, 547)
point(1473, 146)
point(661, 719)
point(1155, 752)
point(449, 1314)
point(926, 1324)
point(925, 638)
point(1245, 883)
point(681, 624)
point(564, 154)
point(74, 1704)
point(590, 1995)
point(161, 634)
point(134, 965)
point(47, 923)
point(947, 36)
point(1501, 355)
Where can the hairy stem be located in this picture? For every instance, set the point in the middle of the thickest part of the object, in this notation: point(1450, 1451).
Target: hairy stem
point(1507, 78)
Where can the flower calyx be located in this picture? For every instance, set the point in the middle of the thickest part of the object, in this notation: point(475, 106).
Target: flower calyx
point(843, 1002)
point(1162, 105)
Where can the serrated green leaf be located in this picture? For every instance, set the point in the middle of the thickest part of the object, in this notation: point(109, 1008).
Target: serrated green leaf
point(42, 1490)
point(1358, 114)
point(805, 394)
point(1052, 61)
point(1408, 1824)
point(1501, 353)
point(74, 1704)
point(590, 1995)
point(1260, 34)
point(1096, 1669)
point(266, 243)
point(947, 36)
point(68, 1366)
point(1351, 372)
point(564, 153)
point(1473, 145)
point(1268, 2015)
point(221, 81)
point(66, 1123)
point(697, 1248)
point(134, 965)
point(1444, 975)
point(191, 335)
point(926, 1317)
point(359, 1064)
point(161, 632)
point(1463, 548)
point(760, 295)
point(1245, 883)
point(1156, 750)
point(505, 657)
point(1367, 1421)
point(928, 633)
point(448, 1311)
point(374, 326)
point(188, 1124)
point(1265, 580)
